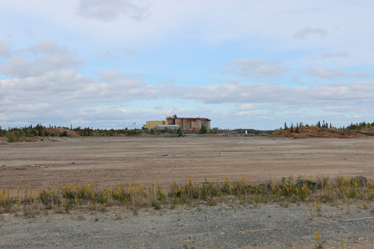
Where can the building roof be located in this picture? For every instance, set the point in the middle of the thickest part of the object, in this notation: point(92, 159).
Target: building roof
point(189, 118)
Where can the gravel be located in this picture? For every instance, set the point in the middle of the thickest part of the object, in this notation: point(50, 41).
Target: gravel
point(267, 225)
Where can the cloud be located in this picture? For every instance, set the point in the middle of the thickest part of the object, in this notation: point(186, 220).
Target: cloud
point(52, 57)
point(334, 73)
point(4, 50)
point(340, 108)
point(336, 54)
point(110, 10)
point(296, 78)
point(256, 68)
point(108, 75)
point(246, 107)
point(48, 47)
point(307, 31)
point(158, 107)
point(116, 53)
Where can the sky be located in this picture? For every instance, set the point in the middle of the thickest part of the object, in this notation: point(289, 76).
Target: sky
point(243, 63)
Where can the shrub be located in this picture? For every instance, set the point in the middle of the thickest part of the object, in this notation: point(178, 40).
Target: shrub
point(10, 137)
point(64, 134)
point(203, 129)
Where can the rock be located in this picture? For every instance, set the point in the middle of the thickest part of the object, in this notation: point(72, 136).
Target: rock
point(368, 133)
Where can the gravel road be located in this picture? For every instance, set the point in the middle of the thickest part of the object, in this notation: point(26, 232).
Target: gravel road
point(265, 226)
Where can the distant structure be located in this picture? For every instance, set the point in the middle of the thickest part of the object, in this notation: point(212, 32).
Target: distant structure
point(152, 124)
point(189, 123)
point(170, 127)
point(175, 122)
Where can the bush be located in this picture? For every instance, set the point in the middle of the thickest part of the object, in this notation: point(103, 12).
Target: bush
point(10, 137)
point(64, 134)
point(180, 132)
point(203, 129)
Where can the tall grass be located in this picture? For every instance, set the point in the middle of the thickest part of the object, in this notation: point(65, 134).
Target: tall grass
point(135, 196)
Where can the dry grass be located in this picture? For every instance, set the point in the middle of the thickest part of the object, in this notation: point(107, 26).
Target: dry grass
point(320, 191)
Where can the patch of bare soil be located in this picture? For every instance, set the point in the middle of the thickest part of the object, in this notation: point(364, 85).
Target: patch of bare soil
point(112, 160)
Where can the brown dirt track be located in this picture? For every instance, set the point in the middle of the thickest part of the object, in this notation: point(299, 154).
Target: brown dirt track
point(112, 160)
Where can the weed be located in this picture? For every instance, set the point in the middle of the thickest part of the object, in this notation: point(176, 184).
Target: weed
point(28, 213)
point(118, 216)
point(312, 214)
point(156, 205)
point(102, 207)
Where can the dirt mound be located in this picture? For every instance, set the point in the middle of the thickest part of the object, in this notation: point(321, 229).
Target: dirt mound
point(312, 131)
point(59, 131)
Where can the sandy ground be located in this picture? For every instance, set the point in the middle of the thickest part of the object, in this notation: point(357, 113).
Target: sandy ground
point(111, 160)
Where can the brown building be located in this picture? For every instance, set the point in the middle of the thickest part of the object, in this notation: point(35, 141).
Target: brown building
point(189, 123)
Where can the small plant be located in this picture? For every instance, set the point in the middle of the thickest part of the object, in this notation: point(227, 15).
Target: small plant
point(118, 216)
point(319, 243)
point(319, 208)
point(102, 207)
point(28, 213)
point(156, 205)
point(312, 214)
point(67, 206)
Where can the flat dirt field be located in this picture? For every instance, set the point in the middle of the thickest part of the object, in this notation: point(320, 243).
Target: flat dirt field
point(111, 160)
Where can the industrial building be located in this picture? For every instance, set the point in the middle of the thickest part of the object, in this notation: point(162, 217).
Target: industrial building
point(152, 124)
point(169, 127)
point(189, 123)
point(183, 123)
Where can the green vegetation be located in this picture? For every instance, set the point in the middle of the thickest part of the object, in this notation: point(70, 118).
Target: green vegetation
point(203, 130)
point(284, 190)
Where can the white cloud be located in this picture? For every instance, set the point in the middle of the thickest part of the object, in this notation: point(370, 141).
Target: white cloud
point(340, 108)
point(110, 10)
point(242, 113)
point(335, 54)
point(158, 107)
point(246, 107)
point(108, 75)
point(53, 57)
point(4, 50)
point(116, 53)
point(48, 47)
point(307, 31)
point(334, 73)
point(296, 78)
point(256, 68)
